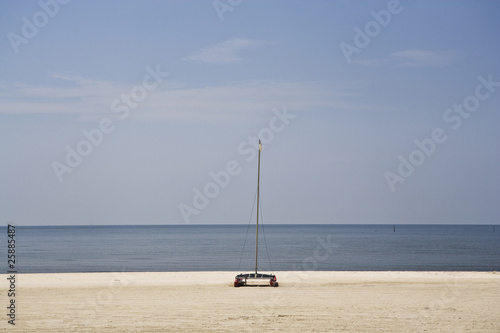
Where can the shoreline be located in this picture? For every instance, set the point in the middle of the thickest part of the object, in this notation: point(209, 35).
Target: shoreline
point(226, 278)
point(37, 280)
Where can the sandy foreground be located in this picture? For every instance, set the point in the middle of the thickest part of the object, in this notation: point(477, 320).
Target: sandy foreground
point(207, 302)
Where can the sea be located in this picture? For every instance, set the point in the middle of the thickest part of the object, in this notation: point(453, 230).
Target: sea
point(170, 248)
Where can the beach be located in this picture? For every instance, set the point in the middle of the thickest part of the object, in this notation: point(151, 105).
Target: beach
point(208, 302)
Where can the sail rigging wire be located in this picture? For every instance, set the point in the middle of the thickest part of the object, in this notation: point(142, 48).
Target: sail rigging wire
point(264, 233)
point(248, 228)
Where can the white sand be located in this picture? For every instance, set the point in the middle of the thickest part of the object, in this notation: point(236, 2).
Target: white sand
point(304, 302)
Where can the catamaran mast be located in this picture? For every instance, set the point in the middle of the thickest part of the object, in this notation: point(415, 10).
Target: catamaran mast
point(257, 224)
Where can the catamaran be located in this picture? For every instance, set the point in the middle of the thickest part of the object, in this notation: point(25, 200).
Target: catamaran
point(241, 279)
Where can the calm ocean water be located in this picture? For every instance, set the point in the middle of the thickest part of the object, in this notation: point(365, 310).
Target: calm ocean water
point(289, 247)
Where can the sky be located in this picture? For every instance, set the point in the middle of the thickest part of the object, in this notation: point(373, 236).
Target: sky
point(149, 112)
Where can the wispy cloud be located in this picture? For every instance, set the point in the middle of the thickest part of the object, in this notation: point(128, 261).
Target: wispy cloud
point(66, 94)
point(233, 102)
point(90, 99)
point(425, 58)
point(370, 62)
point(412, 58)
point(224, 52)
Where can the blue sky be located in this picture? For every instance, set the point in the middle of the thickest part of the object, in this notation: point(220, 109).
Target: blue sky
point(157, 97)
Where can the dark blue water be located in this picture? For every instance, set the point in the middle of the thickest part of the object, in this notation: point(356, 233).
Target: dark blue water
point(221, 247)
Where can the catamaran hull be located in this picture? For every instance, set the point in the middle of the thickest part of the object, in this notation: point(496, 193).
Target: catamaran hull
point(243, 279)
